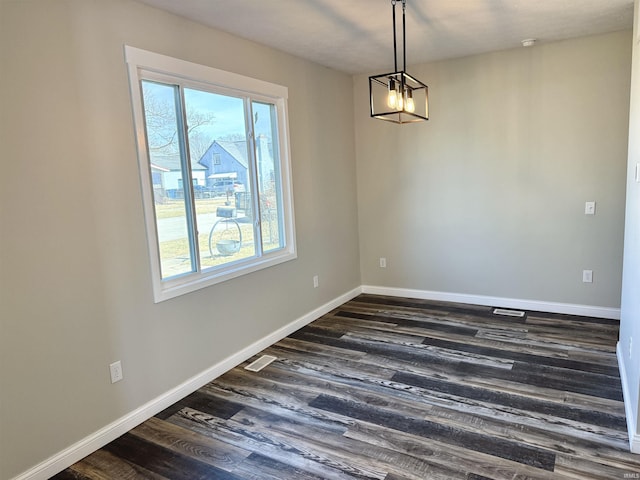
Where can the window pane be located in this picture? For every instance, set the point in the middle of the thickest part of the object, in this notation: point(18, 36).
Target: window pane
point(161, 123)
point(198, 121)
point(268, 161)
point(221, 177)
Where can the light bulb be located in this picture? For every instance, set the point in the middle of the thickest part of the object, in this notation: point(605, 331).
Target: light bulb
point(400, 105)
point(392, 97)
point(410, 106)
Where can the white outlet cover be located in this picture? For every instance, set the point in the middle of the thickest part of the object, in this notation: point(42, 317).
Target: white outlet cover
point(590, 208)
point(116, 371)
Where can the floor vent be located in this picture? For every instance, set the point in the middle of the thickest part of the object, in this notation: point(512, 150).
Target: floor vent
point(260, 363)
point(508, 313)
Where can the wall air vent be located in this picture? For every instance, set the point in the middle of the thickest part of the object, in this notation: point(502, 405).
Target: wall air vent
point(260, 363)
point(508, 313)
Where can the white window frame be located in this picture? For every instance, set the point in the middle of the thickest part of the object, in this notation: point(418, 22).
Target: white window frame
point(141, 64)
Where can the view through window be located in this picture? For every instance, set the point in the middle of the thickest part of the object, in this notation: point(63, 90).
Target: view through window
point(214, 163)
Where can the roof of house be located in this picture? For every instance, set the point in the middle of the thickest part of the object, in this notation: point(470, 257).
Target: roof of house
point(237, 149)
point(172, 163)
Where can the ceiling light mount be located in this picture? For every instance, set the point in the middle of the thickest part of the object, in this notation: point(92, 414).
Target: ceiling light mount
point(397, 96)
point(529, 42)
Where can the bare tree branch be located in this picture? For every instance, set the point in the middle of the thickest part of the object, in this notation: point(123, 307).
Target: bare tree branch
point(161, 120)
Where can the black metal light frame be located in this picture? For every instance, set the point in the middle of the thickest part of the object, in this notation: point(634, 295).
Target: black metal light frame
point(397, 96)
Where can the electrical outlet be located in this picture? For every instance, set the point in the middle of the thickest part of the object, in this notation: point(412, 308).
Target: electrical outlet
point(383, 262)
point(116, 371)
point(590, 208)
point(316, 281)
point(587, 276)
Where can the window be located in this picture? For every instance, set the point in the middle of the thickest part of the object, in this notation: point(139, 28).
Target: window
point(228, 134)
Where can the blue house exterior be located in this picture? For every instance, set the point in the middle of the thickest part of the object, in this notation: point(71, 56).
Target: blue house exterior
point(223, 163)
point(226, 160)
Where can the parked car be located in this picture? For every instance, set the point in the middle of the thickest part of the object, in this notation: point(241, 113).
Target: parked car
point(224, 187)
point(201, 191)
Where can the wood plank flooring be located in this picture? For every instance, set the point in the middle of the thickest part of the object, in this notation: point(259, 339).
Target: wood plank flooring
point(399, 389)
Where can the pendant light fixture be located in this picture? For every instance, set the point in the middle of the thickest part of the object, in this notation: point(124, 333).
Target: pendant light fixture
point(398, 97)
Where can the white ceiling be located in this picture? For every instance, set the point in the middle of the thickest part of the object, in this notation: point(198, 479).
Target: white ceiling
point(355, 36)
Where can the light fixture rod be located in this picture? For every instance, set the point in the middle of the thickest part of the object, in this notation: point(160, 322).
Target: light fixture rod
point(395, 51)
point(404, 38)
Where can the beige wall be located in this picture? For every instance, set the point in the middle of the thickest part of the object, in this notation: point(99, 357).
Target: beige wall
point(76, 290)
point(487, 198)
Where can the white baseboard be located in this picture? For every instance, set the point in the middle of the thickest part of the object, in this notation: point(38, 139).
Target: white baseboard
point(535, 305)
point(90, 444)
point(634, 438)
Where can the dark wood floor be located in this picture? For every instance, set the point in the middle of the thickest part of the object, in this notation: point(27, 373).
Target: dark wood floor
point(397, 389)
